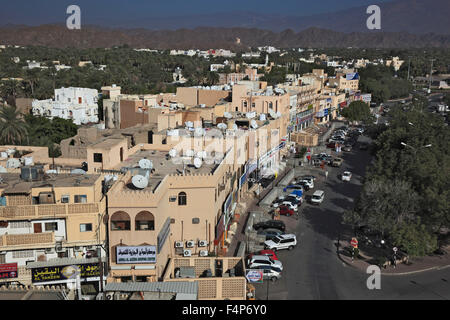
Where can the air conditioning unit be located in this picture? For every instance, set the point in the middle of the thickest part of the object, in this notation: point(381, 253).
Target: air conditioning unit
point(187, 253)
point(77, 248)
point(110, 296)
point(190, 244)
point(179, 244)
point(59, 247)
point(203, 253)
point(202, 243)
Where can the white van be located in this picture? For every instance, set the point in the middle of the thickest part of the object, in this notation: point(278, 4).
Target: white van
point(317, 197)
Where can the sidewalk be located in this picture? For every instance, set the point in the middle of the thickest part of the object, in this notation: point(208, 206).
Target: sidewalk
point(435, 262)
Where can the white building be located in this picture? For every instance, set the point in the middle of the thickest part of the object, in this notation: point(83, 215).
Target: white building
point(78, 104)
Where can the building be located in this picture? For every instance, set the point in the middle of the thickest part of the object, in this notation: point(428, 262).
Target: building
point(77, 104)
point(395, 62)
point(49, 221)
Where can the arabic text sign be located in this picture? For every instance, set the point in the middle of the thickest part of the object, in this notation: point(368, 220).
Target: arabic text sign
point(8, 270)
point(141, 254)
point(64, 272)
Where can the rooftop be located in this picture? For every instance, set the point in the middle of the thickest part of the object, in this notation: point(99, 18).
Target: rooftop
point(12, 183)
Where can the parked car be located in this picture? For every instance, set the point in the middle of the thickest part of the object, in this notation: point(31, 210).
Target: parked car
point(290, 204)
point(308, 182)
point(294, 199)
point(309, 177)
point(269, 253)
point(285, 241)
point(336, 162)
point(304, 185)
point(346, 176)
point(293, 186)
point(276, 224)
point(258, 261)
point(270, 233)
point(286, 211)
point(269, 272)
point(331, 145)
point(317, 197)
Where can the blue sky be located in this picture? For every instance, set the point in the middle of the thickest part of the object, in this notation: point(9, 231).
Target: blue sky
point(34, 12)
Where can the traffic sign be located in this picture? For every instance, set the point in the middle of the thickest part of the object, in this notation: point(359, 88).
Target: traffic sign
point(254, 276)
point(354, 243)
point(395, 249)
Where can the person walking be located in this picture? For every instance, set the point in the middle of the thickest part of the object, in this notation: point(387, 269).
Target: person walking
point(326, 174)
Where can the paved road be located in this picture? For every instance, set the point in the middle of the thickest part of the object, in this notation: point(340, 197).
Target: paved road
point(313, 271)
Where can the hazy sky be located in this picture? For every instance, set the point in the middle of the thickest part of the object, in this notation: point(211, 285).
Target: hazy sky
point(34, 12)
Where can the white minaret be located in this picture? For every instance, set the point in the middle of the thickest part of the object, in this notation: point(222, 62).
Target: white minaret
point(267, 60)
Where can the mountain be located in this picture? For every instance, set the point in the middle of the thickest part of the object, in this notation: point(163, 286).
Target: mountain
point(412, 16)
point(207, 38)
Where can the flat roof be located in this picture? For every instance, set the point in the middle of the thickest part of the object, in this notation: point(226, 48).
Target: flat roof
point(107, 143)
point(163, 165)
point(14, 184)
point(186, 287)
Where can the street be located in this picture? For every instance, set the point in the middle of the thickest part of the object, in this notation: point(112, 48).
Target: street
point(314, 271)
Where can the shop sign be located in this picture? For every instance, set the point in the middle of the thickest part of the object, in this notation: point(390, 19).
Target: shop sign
point(8, 270)
point(140, 254)
point(58, 273)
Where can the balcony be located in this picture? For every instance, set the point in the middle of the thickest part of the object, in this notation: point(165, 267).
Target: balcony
point(49, 210)
point(8, 240)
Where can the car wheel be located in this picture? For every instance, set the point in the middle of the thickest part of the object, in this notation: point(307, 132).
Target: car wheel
point(273, 279)
point(291, 247)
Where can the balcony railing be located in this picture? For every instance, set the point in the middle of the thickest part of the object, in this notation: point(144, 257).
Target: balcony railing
point(27, 239)
point(52, 210)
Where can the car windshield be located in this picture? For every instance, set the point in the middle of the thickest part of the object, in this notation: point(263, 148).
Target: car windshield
point(276, 240)
point(316, 197)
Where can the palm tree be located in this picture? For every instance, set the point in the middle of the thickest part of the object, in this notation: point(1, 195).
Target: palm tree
point(13, 130)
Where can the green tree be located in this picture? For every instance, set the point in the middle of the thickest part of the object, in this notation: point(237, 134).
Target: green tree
point(414, 238)
point(358, 111)
point(12, 128)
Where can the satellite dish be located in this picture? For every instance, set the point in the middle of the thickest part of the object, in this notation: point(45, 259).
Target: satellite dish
point(272, 113)
point(3, 169)
point(278, 114)
point(227, 115)
point(235, 127)
point(173, 153)
point(78, 171)
point(139, 181)
point(189, 153)
point(250, 115)
point(222, 126)
point(199, 131)
point(262, 117)
point(13, 163)
point(145, 164)
point(189, 124)
point(254, 124)
point(197, 162)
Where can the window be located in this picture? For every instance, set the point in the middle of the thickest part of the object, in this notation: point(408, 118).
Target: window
point(51, 226)
point(81, 198)
point(172, 221)
point(195, 220)
point(182, 199)
point(144, 221)
point(2, 258)
point(85, 227)
point(244, 104)
point(23, 254)
point(120, 221)
point(65, 198)
point(253, 105)
point(20, 224)
point(98, 157)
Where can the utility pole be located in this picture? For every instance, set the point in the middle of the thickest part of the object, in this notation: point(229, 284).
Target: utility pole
point(409, 65)
point(431, 75)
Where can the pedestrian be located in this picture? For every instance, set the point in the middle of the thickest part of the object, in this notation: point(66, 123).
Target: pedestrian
point(326, 175)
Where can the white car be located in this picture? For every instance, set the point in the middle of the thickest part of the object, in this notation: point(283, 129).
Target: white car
point(271, 273)
point(346, 176)
point(317, 197)
point(308, 182)
point(290, 205)
point(284, 241)
point(257, 261)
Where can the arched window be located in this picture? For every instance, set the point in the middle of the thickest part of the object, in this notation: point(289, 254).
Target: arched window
point(145, 221)
point(120, 220)
point(182, 199)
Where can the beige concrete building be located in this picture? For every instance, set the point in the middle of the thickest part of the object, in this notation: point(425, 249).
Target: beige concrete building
point(48, 217)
